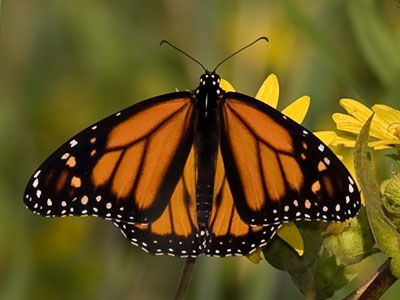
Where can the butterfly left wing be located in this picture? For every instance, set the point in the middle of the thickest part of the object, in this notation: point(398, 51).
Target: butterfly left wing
point(124, 167)
point(279, 171)
point(229, 234)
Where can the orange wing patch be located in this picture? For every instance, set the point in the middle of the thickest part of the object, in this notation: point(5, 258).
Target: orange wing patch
point(224, 216)
point(244, 148)
point(148, 120)
point(128, 169)
point(263, 126)
point(104, 167)
point(147, 143)
point(160, 150)
point(179, 217)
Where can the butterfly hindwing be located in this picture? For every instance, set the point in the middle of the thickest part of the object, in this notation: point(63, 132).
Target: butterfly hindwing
point(229, 233)
point(277, 170)
point(175, 232)
point(124, 167)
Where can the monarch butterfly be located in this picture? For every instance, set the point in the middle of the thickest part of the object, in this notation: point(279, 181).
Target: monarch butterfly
point(191, 172)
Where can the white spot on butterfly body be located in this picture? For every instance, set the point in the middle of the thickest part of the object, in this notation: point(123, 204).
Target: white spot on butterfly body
point(38, 193)
point(118, 114)
point(351, 180)
point(283, 116)
point(351, 189)
point(347, 199)
point(327, 161)
point(37, 174)
point(94, 127)
point(321, 147)
point(286, 208)
point(325, 208)
point(295, 203)
point(305, 132)
point(337, 208)
point(49, 202)
point(108, 205)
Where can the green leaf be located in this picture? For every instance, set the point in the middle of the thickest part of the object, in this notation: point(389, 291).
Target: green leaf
point(386, 235)
point(282, 256)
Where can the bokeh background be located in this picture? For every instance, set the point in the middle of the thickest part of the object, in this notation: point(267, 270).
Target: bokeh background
point(65, 64)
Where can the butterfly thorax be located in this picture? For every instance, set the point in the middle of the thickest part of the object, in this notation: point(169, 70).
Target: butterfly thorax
point(206, 142)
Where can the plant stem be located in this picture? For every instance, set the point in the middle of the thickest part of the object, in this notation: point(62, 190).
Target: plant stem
point(376, 285)
point(185, 278)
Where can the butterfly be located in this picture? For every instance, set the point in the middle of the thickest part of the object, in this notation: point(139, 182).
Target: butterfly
point(192, 172)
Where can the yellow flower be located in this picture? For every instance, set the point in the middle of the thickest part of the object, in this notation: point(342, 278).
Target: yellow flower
point(297, 110)
point(385, 127)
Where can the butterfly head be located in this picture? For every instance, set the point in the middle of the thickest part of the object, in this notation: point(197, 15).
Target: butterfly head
point(209, 84)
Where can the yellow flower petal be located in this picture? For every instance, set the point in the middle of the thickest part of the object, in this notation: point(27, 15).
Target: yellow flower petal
point(356, 109)
point(383, 144)
point(379, 126)
point(297, 110)
point(391, 117)
point(255, 256)
point(390, 114)
point(291, 235)
point(344, 141)
point(269, 91)
point(226, 85)
point(347, 123)
point(328, 137)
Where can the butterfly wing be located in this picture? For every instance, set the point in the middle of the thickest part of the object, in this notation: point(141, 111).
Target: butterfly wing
point(229, 233)
point(279, 171)
point(174, 232)
point(125, 167)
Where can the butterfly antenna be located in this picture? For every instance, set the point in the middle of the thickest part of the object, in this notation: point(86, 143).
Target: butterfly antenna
point(240, 50)
point(183, 52)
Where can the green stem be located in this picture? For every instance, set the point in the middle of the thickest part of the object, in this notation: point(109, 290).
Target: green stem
point(185, 278)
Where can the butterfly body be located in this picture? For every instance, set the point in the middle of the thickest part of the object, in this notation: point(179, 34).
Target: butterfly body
point(186, 173)
point(206, 143)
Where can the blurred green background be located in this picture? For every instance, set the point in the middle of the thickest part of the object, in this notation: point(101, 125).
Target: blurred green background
point(65, 64)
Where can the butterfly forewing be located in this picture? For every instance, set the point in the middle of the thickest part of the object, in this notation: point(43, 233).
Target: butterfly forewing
point(279, 171)
point(125, 167)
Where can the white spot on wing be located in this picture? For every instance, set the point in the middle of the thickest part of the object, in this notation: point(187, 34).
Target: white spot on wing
point(73, 143)
point(35, 183)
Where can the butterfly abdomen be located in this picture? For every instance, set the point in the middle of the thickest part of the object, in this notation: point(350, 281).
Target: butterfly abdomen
point(206, 143)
